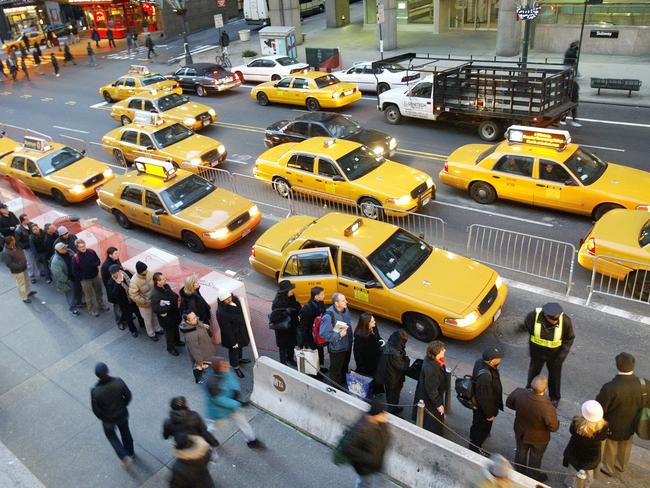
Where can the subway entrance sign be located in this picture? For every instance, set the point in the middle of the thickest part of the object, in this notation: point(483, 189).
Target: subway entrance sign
point(534, 136)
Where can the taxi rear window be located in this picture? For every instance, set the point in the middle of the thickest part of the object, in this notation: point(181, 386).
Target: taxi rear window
point(151, 79)
point(326, 80)
point(486, 153)
point(644, 237)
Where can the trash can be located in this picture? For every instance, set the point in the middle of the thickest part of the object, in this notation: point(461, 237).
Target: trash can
point(245, 35)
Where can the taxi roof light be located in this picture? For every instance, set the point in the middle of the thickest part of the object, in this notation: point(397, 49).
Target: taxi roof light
point(538, 136)
point(36, 143)
point(155, 167)
point(353, 228)
point(147, 118)
point(329, 142)
point(138, 69)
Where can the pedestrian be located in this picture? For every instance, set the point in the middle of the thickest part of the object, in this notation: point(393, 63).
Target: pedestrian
point(575, 98)
point(23, 67)
point(336, 329)
point(50, 236)
point(193, 301)
point(488, 396)
point(367, 346)
point(571, 55)
point(110, 37)
point(535, 419)
point(61, 269)
point(182, 419)
point(140, 291)
point(432, 387)
point(37, 48)
point(197, 336)
point(109, 399)
point(164, 303)
point(55, 64)
point(496, 474)
point(129, 42)
point(22, 233)
point(13, 67)
point(134, 35)
point(369, 439)
point(15, 259)
point(91, 55)
point(8, 221)
point(36, 54)
point(117, 291)
point(551, 337)
point(583, 452)
point(85, 268)
point(234, 335)
point(223, 398)
point(95, 37)
point(392, 368)
point(149, 45)
point(67, 55)
point(190, 468)
point(285, 306)
point(23, 49)
point(75, 33)
point(315, 307)
point(66, 237)
point(224, 40)
point(621, 399)
point(40, 252)
point(112, 257)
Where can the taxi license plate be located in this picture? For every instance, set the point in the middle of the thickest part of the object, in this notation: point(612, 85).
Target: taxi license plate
point(348, 93)
point(425, 201)
point(246, 232)
point(497, 314)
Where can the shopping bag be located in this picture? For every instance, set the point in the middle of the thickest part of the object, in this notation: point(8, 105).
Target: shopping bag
point(312, 363)
point(359, 384)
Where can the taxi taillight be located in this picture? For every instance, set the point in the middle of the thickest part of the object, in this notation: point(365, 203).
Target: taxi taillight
point(591, 245)
point(446, 168)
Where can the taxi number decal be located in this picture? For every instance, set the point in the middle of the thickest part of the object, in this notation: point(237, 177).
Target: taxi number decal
point(155, 220)
point(553, 192)
point(330, 187)
point(361, 294)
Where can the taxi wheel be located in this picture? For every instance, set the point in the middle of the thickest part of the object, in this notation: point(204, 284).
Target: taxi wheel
point(262, 99)
point(482, 192)
point(107, 97)
point(125, 120)
point(489, 130)
point(382, 87)
point(122, 219)
point(312, 105)
point(282, 186)
point(392, 115)
point(200, 91)
point(193, 242)
point(638, 285)
point(119, 157)
point(603, 208)
point(275, 77)
point(59, 197)
point(422, 328)
point(370, 208)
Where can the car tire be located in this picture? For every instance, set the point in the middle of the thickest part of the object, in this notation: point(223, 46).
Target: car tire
point(275, 77)
point(392, 115)
point(124, 120)
point(312, 105)
point(382, 87)
point(637, 284)
point(200, 91)
point(107, 97)
point(421, 327)
point(321, 8)
point(262, 99)
point(282, 187)
point(119, 158)
point(603, 208)
point(490, 130)
point(122, 219)
point(370, 208)
point(59, 197)
point(193, 242)
point(482, 192)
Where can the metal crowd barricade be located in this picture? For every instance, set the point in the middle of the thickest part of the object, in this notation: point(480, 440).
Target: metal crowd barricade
point(431, 229)
point(220, 177)
point(262, 193)
point(634, 284)
point(531, 255)
point(316, 204)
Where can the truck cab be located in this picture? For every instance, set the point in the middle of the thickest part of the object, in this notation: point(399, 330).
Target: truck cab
point(409, 101)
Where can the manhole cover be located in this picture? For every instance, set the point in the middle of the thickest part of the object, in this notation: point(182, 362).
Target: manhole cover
point(509, 330)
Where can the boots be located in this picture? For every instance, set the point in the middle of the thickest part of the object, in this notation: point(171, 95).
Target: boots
point(198, 375)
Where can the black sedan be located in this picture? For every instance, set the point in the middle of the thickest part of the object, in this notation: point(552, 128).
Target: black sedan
point(204, 78)
point(328, 124)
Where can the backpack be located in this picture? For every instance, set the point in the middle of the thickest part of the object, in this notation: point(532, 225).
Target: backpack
point(339, 455)
point(465, 390)
point(315, 330)
point(642, 422)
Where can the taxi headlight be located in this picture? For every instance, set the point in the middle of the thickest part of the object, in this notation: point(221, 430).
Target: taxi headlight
point(378, 150)
point(77, 189)
point(195, 161)
point(212, 112)
point(399, 201)
point(108, 173)
point(336, 95)
point(189, 121)
point(253, 211)
point(644, 208)
point(218, 234)
point(393, 143)
point(153, 91)
point(464, 322)
point(498, 282)
point(221, 149)
point(429, 182)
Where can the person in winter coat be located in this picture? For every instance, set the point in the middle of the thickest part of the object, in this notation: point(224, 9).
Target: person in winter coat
point(8, 221)
point(85, 268)
point(61, 269)
point(50, 238)
point(536, 418)
point(286, 306)
point(312, 309)
point(199, 345)
point(109, 399)
point(92, 60)
point(140, 290)
point(117, 290)
point(223, 400)
point(40, 252)
point(336, 329)
point(193, 301)
point(369, 439)
point(182, 419)
point(571, 54)
point(55, 64)
point(621, 400)
point(234, 335)
point(23, 67)
point(497, 474)
point(489, 397)
point(111, 37)
point(36, 54)
point(95, 37)
point(367, 346)
point(392, 369)
point(22, 233)
point(190, 469)
point(583, 452)
point(12, 64)
point(112, 258)
point(148, 42)
point(432, 386)
point(67, 55)
point(15, 259)
point(69, 239)
point(164, 303)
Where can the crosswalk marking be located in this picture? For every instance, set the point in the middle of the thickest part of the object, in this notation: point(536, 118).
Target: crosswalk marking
point(46, 99)
point(26, 95)
point(71, 102)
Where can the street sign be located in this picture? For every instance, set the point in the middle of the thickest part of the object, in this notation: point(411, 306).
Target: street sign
point(380, 13)
point(218, 21)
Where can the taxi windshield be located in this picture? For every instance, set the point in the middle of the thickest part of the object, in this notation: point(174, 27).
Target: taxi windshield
point(151, 79)
point(359, 162)
point(286, 61)
point(58, 159)
point(326, 80)
point(586, 166)
point(171, 135)
point(399, 257)
point(342, 127)
point(644, 237)
point(171, 101)
point(186, 193)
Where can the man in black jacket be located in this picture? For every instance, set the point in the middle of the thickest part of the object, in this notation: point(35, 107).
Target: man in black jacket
point(392, 368)
point(8, 221)
point(22, 233)
point(50, 238)
point(109, 399)
point(117, 291)
point(312, 309)
point(164, 303)
point(432, 386)
point(488, 394)
point(14, 258)
point(369, 440)
point(40, 252)
point(85, 268)
point(112, 257)
point(621, 400)
point(182, 419)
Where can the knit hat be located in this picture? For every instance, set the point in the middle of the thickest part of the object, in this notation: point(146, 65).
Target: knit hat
point(286, 286)
point(492, 353)
point(60, 245)
point(499, 466)
point(140, 267)
point(113, 268)
point(178, 403)
point(223, 294)
point(552, 310)
point(101, 370)
point(592, 411)
point(62, 230)
point(625, 362)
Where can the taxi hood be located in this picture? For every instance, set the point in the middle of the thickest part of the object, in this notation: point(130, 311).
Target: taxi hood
point(77, 172)
point(393, 179)
point(619, 227)
point(467, 283)
point(468, 153)
point(627, 183)
point(216, 210)
point(188, 109)
point(192, 147)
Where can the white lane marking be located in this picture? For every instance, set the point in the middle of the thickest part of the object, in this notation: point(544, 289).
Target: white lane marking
point(236, 162)
point(71, 130)
point(487, 212)
point(604, 148)
point(99, 105)
point(614, 122)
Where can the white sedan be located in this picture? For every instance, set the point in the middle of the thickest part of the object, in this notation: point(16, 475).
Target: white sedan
point(269, 68)
point(379, 80)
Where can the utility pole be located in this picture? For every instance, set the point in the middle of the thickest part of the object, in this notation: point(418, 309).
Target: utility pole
point(527, 13)
point(582, 29)
point(180, 8)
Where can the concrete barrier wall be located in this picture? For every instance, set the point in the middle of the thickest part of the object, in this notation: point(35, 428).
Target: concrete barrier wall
point(416, 458)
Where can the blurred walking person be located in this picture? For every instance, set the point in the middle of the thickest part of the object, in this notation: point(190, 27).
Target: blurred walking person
point(305, 336)
point(111, 38)
point(149, 45)
point(117, 290)
point(197, 336)
point(392, 368)
point(140, 291)
point(182, 419)
point(285, 307)
point(67, 55)
point(61, 269)
point(489, 397)
point(15, 259)
point(92, 61)
point(95, 37)
point(13, 68)
point(129, 42)
point(164, 303)
point(36, 54)
point(55, 64)
point(496, 474)
point(85, 268)
point(432, 387)
point(190, 469)
point(2, 68)
point(23, 67)
point(234, 335)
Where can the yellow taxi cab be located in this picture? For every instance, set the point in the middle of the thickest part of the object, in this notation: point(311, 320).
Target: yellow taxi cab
point(34, 37)
point(385, 270)
point(149, 136)
point(348, 171)
point(138, 80)
point(313, 89)
point(55, 169)
point(171, 107)
point(542, 167)
point(619, 246)
point(179, 204)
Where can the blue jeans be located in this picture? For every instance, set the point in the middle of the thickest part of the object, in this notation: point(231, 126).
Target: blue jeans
point(70, 298)
point(367, 481)
point(124, 447)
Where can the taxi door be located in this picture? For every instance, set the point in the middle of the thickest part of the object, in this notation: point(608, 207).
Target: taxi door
point(307, 268)
point(156, 216)
point(330, 180)
point(300, 90)
point(129, 88)
point(134, 106)
point(556, 188)
point(300, 171)
point(34, 178)
point(360, 286)
point(130, 204)
point(129, 144)
point(281, 92)
point(512, 177)
point(17, 170)
point(418, 102)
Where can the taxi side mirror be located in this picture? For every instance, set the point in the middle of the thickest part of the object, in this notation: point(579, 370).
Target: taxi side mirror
point(338, 178)
point(372, 284)
point(149, 147)
point(570, 183)
point(35, 174)
point(160, 211)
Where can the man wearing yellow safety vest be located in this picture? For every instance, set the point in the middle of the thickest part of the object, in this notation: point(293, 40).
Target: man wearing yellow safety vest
point(551, 338)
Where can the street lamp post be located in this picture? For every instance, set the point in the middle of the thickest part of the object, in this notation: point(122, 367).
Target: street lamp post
point(582, 28)
point(527, 13)
point(180, 8)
